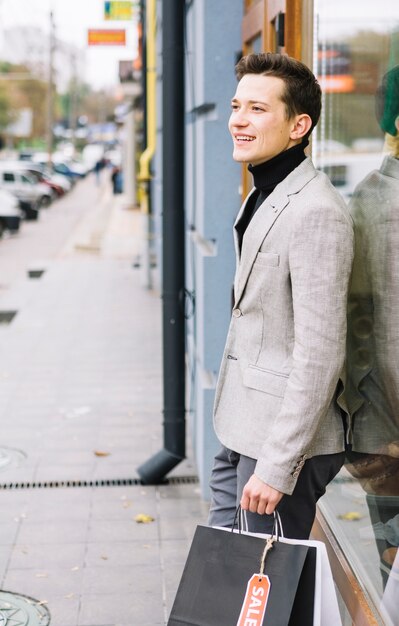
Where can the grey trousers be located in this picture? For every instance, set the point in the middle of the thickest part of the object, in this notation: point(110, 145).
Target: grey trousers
point(232, 471)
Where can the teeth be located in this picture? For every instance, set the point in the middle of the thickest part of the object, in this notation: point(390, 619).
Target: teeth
point(244, 138)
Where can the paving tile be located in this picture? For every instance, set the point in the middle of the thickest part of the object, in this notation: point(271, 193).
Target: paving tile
point(32, 533)
point(123, 508)
point(44, 584)
point(134, 610)
point(8, 532)
point(177, 528)
point(5, 553)
point(116, 530)
point(47, 556)
point(137, 580)
point(64, 609)
point(123, 554)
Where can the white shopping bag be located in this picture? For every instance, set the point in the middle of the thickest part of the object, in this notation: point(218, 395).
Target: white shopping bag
point(326, 609)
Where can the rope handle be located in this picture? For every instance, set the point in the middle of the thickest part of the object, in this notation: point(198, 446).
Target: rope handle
point(268, 546)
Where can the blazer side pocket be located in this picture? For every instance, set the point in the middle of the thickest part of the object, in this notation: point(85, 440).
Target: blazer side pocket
point(267, 381)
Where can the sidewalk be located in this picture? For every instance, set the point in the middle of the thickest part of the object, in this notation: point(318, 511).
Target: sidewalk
point(81, 405)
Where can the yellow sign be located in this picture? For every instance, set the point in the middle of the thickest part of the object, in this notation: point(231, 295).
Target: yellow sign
point(106, 37)
point(122, 10)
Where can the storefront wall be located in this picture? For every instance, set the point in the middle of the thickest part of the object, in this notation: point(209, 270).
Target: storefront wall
point(356, 59)
point(351, 46)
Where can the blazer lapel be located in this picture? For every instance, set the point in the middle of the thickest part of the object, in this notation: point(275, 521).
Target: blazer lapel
point(257, 230)
point(263, 221)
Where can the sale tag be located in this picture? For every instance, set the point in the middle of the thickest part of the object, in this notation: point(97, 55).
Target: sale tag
point(255, 601)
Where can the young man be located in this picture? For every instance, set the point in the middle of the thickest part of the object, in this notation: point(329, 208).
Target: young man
point(275, 411)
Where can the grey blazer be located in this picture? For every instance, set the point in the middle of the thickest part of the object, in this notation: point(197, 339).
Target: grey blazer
point(371, 395)
point(285, 348)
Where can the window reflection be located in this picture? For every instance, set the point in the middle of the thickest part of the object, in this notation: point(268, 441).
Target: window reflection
point(357, 145)
point(372, 378)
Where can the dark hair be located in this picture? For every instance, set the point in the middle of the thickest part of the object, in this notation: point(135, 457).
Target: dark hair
point(302, 93)
point(387, 101)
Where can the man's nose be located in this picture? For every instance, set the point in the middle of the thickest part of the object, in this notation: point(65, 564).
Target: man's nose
point(238, 118)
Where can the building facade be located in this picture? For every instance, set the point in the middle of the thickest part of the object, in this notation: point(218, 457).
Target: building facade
point(353, 48)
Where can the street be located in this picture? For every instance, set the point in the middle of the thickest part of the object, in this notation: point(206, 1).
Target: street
point(81, 408)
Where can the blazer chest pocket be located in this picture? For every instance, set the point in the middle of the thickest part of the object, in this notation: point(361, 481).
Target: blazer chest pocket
point(267, 259)
point(273, 383)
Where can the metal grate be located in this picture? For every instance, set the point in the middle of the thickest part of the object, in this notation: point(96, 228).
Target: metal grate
point(118, 482)
point(19, 610)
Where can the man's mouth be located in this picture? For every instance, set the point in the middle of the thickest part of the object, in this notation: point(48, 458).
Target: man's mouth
point(244, 138)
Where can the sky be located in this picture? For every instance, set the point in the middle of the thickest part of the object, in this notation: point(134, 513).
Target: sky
point(72, 19)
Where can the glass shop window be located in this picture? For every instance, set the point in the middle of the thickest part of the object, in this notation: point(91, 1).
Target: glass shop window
point(357, 145)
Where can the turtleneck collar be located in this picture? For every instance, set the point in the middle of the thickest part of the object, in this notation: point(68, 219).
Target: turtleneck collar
point(269, 174)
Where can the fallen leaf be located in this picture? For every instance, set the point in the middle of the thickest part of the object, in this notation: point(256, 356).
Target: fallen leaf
point(142, 518)
point(101, 453)
point(75, 569)
point(42, 575)
point(351, 516)
point(105, 558)
point(69, 596)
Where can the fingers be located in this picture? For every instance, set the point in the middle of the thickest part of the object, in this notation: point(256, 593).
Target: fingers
point(244, 503)
point(260, 503)
point(255, 503)
point(270, 508)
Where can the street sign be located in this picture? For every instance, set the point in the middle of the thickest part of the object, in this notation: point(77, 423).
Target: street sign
point(122, 10)
point(106, 37)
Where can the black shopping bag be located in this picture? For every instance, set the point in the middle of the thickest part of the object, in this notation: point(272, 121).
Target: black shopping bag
point(220, 565)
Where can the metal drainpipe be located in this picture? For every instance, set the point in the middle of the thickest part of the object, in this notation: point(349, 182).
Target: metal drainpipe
point(155, 469)
point(144, 175)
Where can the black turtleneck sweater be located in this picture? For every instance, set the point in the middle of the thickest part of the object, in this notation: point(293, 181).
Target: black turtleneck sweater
point(266, 177)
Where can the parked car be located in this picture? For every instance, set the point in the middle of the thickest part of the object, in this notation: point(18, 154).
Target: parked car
point(71, 169)
point(57, 179)
point(15, 176)
point(41, 176)
point(10, 213)
point(29, 193)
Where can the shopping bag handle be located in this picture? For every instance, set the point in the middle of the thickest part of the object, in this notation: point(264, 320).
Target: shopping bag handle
point(240, 520)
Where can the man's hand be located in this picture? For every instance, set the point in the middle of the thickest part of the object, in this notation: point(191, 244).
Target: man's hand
point(258, 497)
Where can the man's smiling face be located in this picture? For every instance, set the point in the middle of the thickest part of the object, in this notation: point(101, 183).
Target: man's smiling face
point(258, 123)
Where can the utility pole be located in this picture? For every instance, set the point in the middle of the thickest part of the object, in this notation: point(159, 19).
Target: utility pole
point(50, 92)
point(73, 97)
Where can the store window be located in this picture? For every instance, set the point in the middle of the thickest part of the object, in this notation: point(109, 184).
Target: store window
point(357, 144)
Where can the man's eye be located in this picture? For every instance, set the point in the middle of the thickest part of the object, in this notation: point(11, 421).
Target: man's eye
point(234, 107)
point(255, 108)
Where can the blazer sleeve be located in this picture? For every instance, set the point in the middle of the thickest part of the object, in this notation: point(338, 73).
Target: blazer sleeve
point(320, 260)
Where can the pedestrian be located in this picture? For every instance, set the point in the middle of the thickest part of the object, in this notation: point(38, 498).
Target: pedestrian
point(116, 179)
point(97, 169)
point(275, 412)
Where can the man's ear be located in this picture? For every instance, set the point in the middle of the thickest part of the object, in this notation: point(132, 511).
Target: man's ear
point(301, 126)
